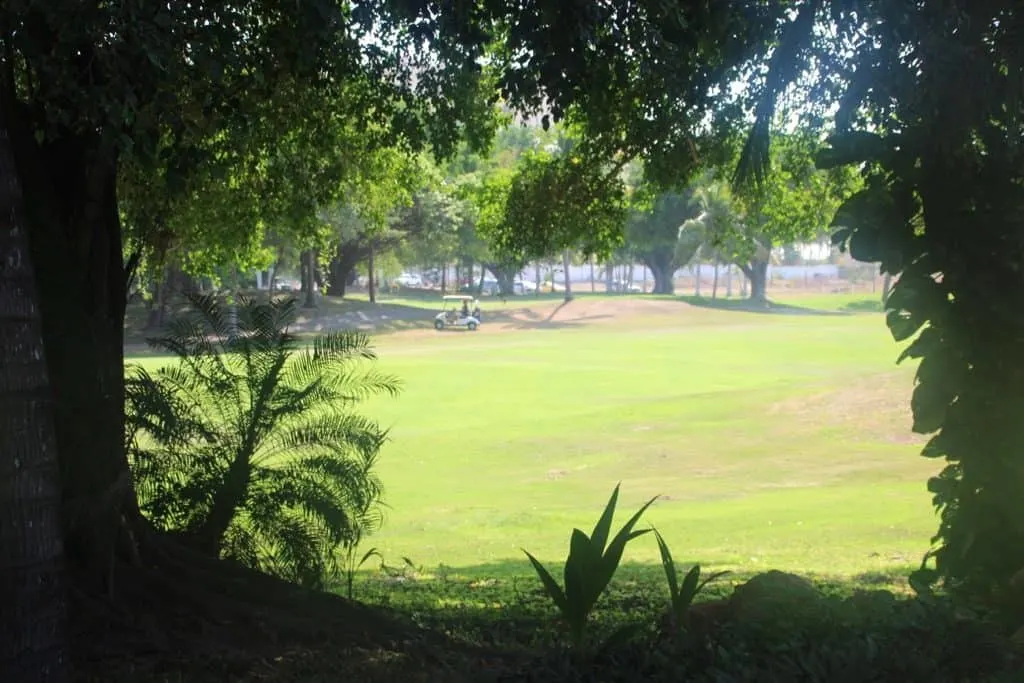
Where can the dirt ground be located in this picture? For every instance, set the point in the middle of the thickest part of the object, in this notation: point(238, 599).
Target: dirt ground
point(497, 316)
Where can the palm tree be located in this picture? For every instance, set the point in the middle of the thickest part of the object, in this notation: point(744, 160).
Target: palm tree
point(32, 619)
point(248, 446)
point(724, 235)
point(712, 228)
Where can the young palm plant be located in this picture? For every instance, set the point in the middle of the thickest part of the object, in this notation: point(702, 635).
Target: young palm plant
point(247, 444)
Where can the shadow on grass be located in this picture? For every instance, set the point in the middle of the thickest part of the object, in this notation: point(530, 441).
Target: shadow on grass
point(748, 306)
point(335, 313)
point(863, 306)
point(512, 587)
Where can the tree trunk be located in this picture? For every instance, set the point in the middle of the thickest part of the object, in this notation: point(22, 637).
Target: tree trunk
point(157, 314)
point(593, 287)
point(33, 636)
point(444, 279)
point(714, 286)
point(232, 493)
point(696, 289)
point(664, 282)
point(609, 277)
point(309, 278)
point(537, 279)
point(757, 273)
point(566, 263)
point(371, 281)
point(886, 288)
point(273, 270)
point(74, 232)
point(728, 281)
point(343, 268)
point(318, 274)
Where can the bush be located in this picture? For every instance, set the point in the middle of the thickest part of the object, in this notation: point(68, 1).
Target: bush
point(870, 638)
point(247, 445)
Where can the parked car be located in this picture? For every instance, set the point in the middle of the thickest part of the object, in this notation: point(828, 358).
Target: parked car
point(520, 287)
point(489, 287)
point(408, 280)
point(626, 287)
point(287, 285)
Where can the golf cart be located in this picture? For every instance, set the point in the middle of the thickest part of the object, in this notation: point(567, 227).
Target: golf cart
point(459, 311)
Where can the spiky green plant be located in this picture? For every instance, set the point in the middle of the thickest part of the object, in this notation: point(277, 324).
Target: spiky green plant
point(248, 445)
point(589, 568)
point(681, 595)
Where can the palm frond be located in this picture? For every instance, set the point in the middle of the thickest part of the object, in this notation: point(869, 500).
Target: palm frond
point(337, 434)
point(249, 389)
point(342, 345)
point(787, 61)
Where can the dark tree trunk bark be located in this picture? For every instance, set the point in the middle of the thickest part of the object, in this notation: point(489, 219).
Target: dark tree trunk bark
point(504, 275)
point(75, 238)
point(343, 267)
point(593, 285)
point(444, 279)
point(696, 288)
point(308, 278)
point(158, 309)
point(664, 276)
point(714, 286)
point(33, 635)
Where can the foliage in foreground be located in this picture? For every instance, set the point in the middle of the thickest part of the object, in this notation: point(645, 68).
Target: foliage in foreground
point(846, 630)
point(247, 444)
point(589, 567)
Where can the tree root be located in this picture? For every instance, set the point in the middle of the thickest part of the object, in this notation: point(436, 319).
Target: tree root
point(172, 603)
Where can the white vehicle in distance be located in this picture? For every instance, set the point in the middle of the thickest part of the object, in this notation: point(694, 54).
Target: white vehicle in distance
point(520, 287)
point(459, 311)
point(409, 280)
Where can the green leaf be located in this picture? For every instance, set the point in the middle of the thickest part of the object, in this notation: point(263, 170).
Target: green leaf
point(688, 590)
point(372, 552)
point(581, 576)
point(937, 388)
point(925, 344)
point(554, 591)
point(902, 324)
point(614, 552)
point(668, 565)
point(603, 526)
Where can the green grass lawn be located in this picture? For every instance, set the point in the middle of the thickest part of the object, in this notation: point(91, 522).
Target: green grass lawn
point(777, 441)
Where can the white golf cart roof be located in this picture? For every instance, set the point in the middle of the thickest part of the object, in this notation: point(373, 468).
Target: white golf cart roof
point(459, 297)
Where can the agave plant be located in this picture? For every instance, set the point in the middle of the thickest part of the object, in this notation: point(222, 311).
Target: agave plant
point(248, 445)
point(681, 595)
point(589, 568)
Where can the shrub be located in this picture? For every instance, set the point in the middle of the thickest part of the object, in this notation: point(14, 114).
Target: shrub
point(247, 445)
point(589, 568)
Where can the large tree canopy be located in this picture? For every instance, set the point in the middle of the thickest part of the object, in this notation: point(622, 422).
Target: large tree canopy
point(930, 104)
point(159, 95)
